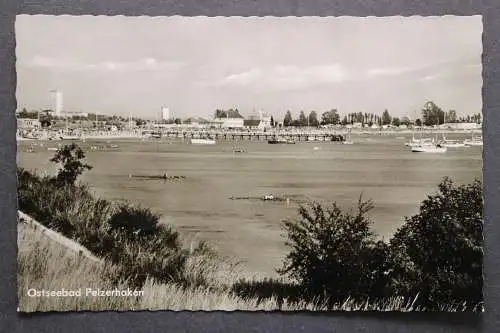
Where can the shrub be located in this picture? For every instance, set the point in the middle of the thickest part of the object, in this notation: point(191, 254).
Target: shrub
point(438, 252)
point(70, 157)
point(263, 290)
point(134, 221)
point(131, 237)
point(334, 254)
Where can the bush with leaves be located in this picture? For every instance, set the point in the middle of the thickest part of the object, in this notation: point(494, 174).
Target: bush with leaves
point(438, 252)
point(70, 158)
point(129, 236)
point(334, 254)
point(134, 221)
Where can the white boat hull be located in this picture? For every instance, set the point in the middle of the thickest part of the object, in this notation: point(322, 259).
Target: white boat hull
point(453, 145)
point(473, 143)
point(416, 143)
point(429, 149)
point(69, 137)
point(203, 141)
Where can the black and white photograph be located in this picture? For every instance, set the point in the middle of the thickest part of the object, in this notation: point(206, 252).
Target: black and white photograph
point(249, 163)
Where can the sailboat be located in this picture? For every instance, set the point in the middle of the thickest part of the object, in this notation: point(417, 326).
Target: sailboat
point(451, 143)
point(348, 140)
point(474, 141)
point(426, 147)
point(418, 142)
point(429, 148)
point(66, 135)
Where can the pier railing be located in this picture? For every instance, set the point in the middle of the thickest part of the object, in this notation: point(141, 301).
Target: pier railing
point(253, 135)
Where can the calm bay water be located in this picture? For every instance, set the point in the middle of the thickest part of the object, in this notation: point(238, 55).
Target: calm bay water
point(381, 168)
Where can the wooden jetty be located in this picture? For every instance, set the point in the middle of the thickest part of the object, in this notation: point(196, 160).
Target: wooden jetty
point(253, 135)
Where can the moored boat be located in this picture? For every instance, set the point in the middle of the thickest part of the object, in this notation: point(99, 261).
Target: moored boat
point(66, 136)
point(280, 141)
point(348, 140)
point(474, 141)
point(438, 148)
point(203, 141)
point(452, 144)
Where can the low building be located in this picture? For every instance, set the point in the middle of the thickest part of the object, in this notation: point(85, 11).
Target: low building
point(196, 122)
point(230, 119)
point(252, 123)
point(28, 124)
point(259, 121)
point(78, 114)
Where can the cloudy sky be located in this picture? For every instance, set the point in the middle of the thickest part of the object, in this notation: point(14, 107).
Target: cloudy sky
point(193, 65)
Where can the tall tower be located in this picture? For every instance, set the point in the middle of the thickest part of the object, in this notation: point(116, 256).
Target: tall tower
point(165, 113)
point(58, 97)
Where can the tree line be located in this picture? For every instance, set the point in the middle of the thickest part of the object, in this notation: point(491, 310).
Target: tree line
point(430, 115)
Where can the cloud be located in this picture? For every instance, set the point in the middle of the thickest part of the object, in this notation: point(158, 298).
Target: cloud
point(430, 77)
point(451, 70)
point(286, 77)
point(143, 64)
point(245, 78)
point(389, 71)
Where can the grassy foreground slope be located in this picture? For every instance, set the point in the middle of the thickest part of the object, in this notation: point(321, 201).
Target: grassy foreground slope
point(44, 264)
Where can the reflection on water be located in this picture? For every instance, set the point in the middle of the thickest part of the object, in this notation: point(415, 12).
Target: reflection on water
point(379, 168)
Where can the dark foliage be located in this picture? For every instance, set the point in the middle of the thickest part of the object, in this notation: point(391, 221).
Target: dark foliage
point(435, 257)
point(268, 288)
point(437, 254)
point(70, 157)
point(334, 253)
point(135, 221)
point(130, 237)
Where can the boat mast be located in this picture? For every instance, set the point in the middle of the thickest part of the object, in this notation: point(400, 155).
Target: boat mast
point(414, 124)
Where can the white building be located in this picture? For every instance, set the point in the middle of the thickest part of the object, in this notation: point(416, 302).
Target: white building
point(232, 119)
point(232, 122)
point(28, 124)
point(165, 113)
point(58, 96)
point(265, 121)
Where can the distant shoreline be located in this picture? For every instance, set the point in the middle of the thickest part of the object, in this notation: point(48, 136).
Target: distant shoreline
point(369, 132)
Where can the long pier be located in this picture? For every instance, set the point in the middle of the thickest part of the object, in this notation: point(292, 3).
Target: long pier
point(249, 136)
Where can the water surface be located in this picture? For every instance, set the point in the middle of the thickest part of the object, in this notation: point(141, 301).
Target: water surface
point(379, 168)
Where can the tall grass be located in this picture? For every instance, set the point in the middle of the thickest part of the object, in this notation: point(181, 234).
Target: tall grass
point(128, 236)
point(46, 265)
